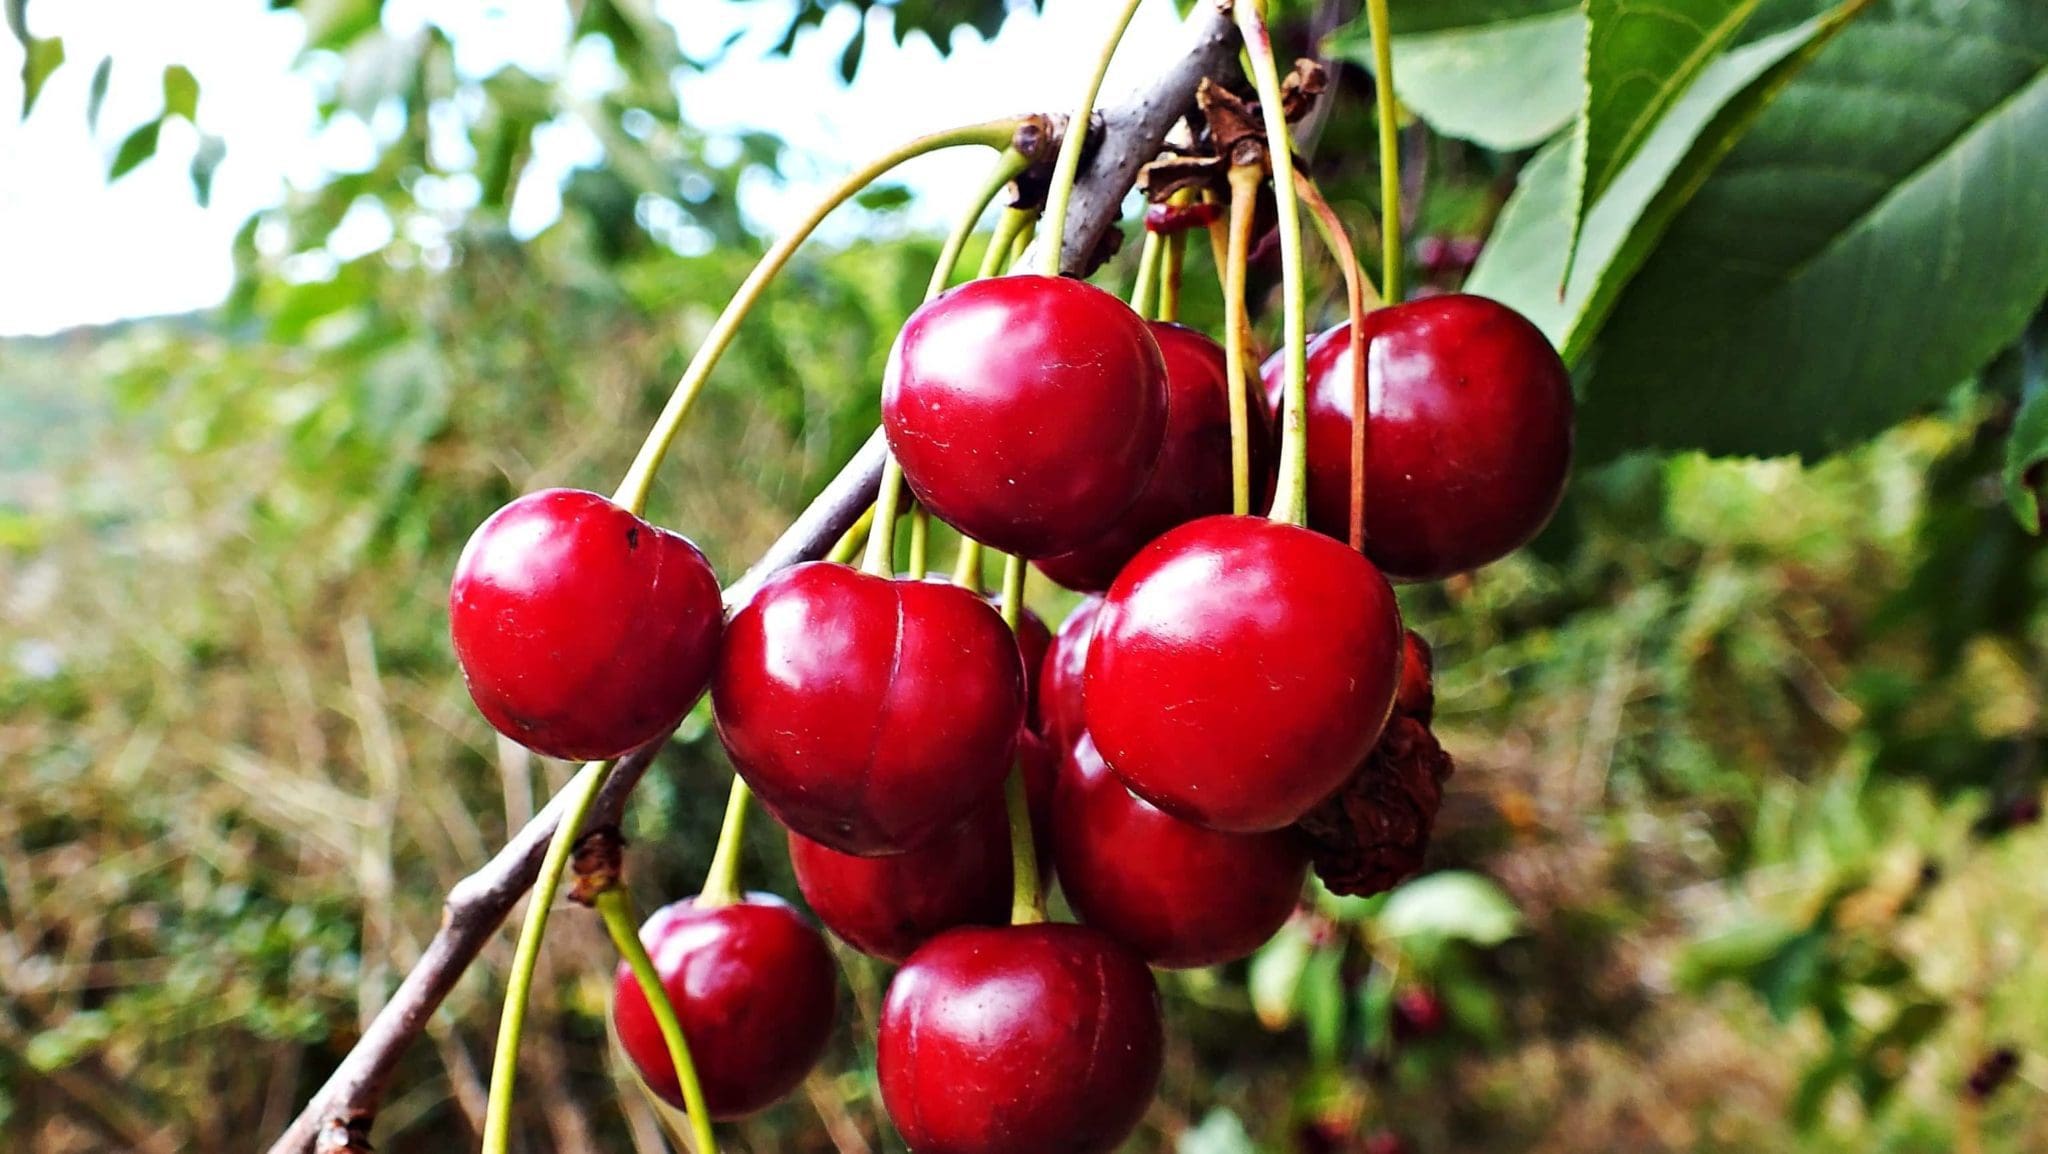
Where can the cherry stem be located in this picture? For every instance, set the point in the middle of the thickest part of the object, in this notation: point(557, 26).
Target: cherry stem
point(1355, 298)
point(1068, 167)
point(1008, 167)
point(1290, 503)
point(1245, 180)
point(632, 492)
point(850, 541)
point(1014, 222)
point(1027, 897)
point(1389, 110)
point(617, 911)
point(920, 542)
point(967, 566)
point(1148, 274)
point(1169, 276)
point(579, 794)
point(722, 880)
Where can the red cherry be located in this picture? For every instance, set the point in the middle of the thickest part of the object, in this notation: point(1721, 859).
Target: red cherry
point(582, 630)
point(1178, 894)
point(1026, 411)
point(753, 986)
point(869, 714)
point(888, 906)
point(1471, 437)
point(1192, 477)
point(1241, 670)
point(1059, 678)
point(1385, 1142)
point(1417, 695)
point(1417, 1013)
point(1033, 639)
point(1019, 1040)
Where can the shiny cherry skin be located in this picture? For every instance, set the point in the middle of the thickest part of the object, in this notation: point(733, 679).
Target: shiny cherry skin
point(1241, 670)
point(1177, 894)
point(1193, 476)
point(886, 907)
point(868, 714)
point(582, 630)
point(1026, 411)
point(755, 989)
point(1019, 1040)
point(1059, 678)
point(1471, 438)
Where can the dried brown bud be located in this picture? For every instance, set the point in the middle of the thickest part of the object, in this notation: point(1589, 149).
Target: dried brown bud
point(596, 863)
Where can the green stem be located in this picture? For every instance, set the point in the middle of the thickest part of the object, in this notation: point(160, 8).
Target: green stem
point(722, 880)
point(920, 542)
point(580, 794)
point(1389, 110)
point(967, 566)
point(1290, 504)
point(1027, 897)
point(1023, 243)
point(881, 556)
point(617, 911)
point(1009, 226)
point(1244, 200)
point(1068, 167)
point(849, 541)
point(1008, 167)
point(1170, 267)
point(1356, 290)
point(1148, 274)
point(632, 492)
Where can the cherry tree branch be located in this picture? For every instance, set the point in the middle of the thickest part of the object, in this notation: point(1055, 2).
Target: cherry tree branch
point(340, 1114)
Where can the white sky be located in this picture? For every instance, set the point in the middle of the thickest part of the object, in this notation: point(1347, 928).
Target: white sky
point(76, 250)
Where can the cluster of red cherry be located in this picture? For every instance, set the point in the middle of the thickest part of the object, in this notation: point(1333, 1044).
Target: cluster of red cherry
point(1227, 675)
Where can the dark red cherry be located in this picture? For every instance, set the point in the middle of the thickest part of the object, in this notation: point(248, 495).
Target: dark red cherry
point(582, 630)
point(1417, 694)
point(1418, 1013)
point(1192, 477)
point(1033, 639)
point(1241, 670)
point(754, 987)
point(1026, 411)
point(869, 714)
point(1176, 893)
point(888, 906)
point(1019, 1040)
point(1059, 678)
point(1471, 437)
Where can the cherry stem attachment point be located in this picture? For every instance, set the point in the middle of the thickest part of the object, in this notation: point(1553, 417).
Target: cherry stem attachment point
point(722, 880)
point(1027, 897)
point(1067, 168)
point(1245, 180)
point(1290, 502)
point(580, 793)
point(617, 911)
point(1014, 222)
point(1389, 113)
point(632, 492)
point(1356, 297)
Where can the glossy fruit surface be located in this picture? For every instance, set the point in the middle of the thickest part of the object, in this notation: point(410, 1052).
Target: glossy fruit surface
point(1471, 438)
point(1177, 894)
point(869, 714)
point(1019, 1040)
point(754, 987)
point(886, 907)
point(1026, 411)
point(1033, 639)
point(1241, 670)
point(1059, 715)
point(1192, 476)
point(582, 630)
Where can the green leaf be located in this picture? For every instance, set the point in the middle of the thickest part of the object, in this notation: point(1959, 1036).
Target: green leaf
point(1524, 261)
point(1274, 975)
point(1221, 1132)
point(181, 93)
point(42, 58)
point(1873, 241)
point(332, 25)
point(1323, 1004)
point(205, 161)
point(2026, 447)
point(1504, 85)
point(1411, 16)
point(138, 147)
point(1641, 56)
point(1451, 904)
point(96, 93)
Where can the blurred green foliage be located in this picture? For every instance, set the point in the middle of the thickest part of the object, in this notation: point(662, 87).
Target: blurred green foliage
point(1742, 853)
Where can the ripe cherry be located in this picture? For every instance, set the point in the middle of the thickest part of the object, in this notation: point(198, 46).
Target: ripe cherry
point(1471, 436)
point(1418, 1013)
point(582, 630)
point(753, 985)
point(1241, 670)
point(1176, 893)
point(1033, 639)
point(1417, 695)
point(869, 714)
point(1193, 475)
point(1026, 411)
point(888, 906)
point(1019, 1040)
point(1059, 678)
